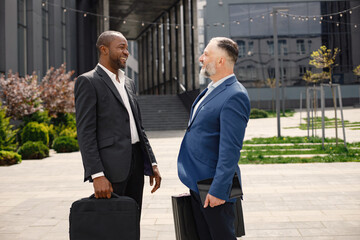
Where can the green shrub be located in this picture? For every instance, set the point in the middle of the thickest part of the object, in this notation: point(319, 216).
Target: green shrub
point(34, 132)
point(9, 158)
point(39, 117)
point(68, 132)
point(34, 150)
point(7, 134)
point(52, 134)
point(64, 119)
point(65, 144)
point(258, 113)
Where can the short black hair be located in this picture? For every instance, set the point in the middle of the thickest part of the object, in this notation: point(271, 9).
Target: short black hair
point(230, 47)
point(106, 38)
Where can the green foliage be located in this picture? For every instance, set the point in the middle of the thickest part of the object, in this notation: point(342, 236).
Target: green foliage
point(7, 134)
point(68, 132)
point(64, 119)
point(297, 150)
point(39, 117)
point(34, 131)
point(258, 113)
point(357, 71)
point(33, 150)
point(65, 144)
point(9, 158)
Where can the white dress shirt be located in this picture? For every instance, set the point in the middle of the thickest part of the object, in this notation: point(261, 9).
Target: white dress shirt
point(210, 88)
point(120, 86)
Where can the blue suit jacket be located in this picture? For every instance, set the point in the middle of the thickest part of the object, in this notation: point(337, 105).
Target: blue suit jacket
point(212, 143)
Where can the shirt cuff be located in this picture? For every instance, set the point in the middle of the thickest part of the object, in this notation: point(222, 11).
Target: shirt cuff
point(154, 164)
point(99, 174)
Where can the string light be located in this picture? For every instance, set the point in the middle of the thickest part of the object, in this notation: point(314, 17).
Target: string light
point(262, 16)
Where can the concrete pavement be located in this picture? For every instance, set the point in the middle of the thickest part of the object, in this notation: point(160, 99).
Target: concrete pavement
point(281, 201)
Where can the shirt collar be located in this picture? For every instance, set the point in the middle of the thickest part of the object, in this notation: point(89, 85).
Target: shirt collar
point(214, 85)
point(112, 75)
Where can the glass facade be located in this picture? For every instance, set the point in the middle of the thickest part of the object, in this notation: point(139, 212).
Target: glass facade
point(300, 32)
point(22, 37)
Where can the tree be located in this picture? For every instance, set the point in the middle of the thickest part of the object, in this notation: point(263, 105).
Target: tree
point(57, 91)
point(324, 58)
point(271, 82)
point(20, 95)
point(357, 71)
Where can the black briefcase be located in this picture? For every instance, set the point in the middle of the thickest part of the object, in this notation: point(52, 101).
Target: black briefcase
point(184, 222)
point(105, 219)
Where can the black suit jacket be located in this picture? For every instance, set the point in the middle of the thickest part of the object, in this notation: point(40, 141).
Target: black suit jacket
point(103, 127)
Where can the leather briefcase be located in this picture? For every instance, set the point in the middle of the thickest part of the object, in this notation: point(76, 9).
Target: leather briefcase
point(185, 228)
point(105, 219)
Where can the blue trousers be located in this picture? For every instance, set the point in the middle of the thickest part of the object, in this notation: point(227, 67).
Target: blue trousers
point(215, 223)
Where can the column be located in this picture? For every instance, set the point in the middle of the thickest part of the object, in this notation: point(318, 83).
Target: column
point(188, 45)
point(173, 70)
point(166, 75)
point(195, 45)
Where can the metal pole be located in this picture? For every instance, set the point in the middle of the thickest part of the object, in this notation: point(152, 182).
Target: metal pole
point(342, 115)
point(276, 60)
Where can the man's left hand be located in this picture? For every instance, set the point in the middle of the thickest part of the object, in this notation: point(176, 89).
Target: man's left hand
point(213, 201)
point(157, 177)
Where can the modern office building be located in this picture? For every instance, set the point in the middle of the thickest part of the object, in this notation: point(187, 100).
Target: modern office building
point(38, 34)
point(302, 26)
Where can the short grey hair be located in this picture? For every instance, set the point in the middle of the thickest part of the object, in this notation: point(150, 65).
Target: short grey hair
point(229, 46)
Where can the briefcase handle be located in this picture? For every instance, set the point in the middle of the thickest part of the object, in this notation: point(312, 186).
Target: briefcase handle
point(113, 195)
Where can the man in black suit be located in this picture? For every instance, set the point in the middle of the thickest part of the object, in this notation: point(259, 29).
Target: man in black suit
point(115, 150)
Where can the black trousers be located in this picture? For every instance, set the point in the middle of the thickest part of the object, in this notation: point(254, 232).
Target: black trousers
point(133, 186)
point(215, 223)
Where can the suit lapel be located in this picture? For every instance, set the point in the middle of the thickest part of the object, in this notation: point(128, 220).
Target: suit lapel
point(103, 75)
point(131, 97)
point(213, 94)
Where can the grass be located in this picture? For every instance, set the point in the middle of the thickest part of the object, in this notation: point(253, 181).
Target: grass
point(329, 123)
point(264, 154)
point(288, 113)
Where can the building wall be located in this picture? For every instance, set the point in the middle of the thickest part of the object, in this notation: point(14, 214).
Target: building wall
point(255, 65)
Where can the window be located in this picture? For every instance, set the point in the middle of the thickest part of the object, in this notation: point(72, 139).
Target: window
point(45, 38)
point(300, 47)
point(302, 70)
point(251, 73)
point(22, 43)
point(283, 47)
point(63, 30)
point(242, 50)
point(250, 48)
point(270, 48)
point(129, 72)
point(135, 55)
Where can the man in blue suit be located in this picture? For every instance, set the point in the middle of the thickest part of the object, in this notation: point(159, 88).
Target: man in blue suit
point(213, 140)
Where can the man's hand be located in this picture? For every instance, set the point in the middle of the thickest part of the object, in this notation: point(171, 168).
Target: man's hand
point(102, 187)
point(157, 179)
point(213, 201)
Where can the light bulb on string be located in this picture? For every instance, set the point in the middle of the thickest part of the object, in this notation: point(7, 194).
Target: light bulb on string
point(143, 24)
point(251, 20)
point(355, 26)
point(223, 25)
point(341, 15)
point(337, 24)
point(64, 10)
point(124, 22)
point(105, 18)
point(263, 17)
point(43, 4)
point(321, 18)
point(306, 18)
point(294, 17)
point(85, 14)
point(320, 22)
point(314, 18)
point(330, 17)
point(350, 12)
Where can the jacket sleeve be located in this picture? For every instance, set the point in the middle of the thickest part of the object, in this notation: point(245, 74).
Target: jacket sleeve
point(233, 121)
point(85, 105)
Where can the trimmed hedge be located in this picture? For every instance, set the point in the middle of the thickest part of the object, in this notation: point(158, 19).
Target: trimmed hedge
point(258, 113)
point(65, 144)
point(35, 132)
point(33, 150)
point(9, 158)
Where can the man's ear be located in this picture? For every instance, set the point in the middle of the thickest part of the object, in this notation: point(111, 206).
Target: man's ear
point(222, 61)
point(104, 50)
